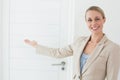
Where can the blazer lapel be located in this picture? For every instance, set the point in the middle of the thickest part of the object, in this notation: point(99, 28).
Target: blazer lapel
point(80, 50)
point(95, 54)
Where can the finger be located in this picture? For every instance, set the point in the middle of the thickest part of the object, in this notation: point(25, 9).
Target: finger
point(27, 41)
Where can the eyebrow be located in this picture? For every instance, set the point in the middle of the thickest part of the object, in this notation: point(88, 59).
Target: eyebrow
point(97, 16)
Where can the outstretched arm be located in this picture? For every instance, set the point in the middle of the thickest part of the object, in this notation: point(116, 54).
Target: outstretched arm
point(53, 52)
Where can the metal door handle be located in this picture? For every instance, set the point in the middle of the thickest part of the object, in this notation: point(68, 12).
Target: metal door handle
point(61, 64)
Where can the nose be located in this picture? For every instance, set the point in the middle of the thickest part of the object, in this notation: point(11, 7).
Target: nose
point(94, 22)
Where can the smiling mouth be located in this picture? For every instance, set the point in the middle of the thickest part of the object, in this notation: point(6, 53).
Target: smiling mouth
point(95, 28)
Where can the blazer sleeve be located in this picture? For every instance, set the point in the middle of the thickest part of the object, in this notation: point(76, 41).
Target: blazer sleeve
point(58, 52)
point(55, 52)
point(113, 65)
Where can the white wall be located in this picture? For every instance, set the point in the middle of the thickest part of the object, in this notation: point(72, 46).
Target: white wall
point(0, 39)
point(112, 11)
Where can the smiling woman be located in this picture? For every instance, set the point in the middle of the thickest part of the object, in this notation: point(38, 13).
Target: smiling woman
point(95, 56)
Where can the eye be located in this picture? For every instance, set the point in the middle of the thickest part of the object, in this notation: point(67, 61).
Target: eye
point(97, 19)
point(89, 20)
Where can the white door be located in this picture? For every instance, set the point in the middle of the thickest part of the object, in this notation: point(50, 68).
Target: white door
point(45, 21)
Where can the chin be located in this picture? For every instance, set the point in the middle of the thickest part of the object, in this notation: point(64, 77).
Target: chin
point(96, 32)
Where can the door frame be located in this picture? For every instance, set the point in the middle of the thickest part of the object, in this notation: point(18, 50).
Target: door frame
point(1, 40)
point(6, 37)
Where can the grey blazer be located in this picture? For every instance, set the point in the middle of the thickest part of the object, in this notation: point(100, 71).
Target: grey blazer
point(103, 63)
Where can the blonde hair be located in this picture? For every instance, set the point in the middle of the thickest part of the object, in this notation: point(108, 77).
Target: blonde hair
point(96, 8)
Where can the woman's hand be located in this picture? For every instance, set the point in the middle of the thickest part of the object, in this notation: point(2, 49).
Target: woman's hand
point(31, 43)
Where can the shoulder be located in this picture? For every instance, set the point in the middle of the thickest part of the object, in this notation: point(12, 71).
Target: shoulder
point(79, 40)
point(82, 38)
point(113, 48)
point(113, 45)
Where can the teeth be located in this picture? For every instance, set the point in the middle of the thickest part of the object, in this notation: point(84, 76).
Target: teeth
point(95, 28)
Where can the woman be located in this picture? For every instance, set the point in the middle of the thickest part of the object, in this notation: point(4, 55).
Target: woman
point(95, 56)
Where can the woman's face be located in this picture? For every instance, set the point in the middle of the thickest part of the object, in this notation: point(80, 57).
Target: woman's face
point(95, 21)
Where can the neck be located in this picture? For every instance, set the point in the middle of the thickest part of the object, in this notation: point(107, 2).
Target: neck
point(95, 38)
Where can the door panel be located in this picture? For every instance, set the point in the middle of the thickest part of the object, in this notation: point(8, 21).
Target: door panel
point(44, 21)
